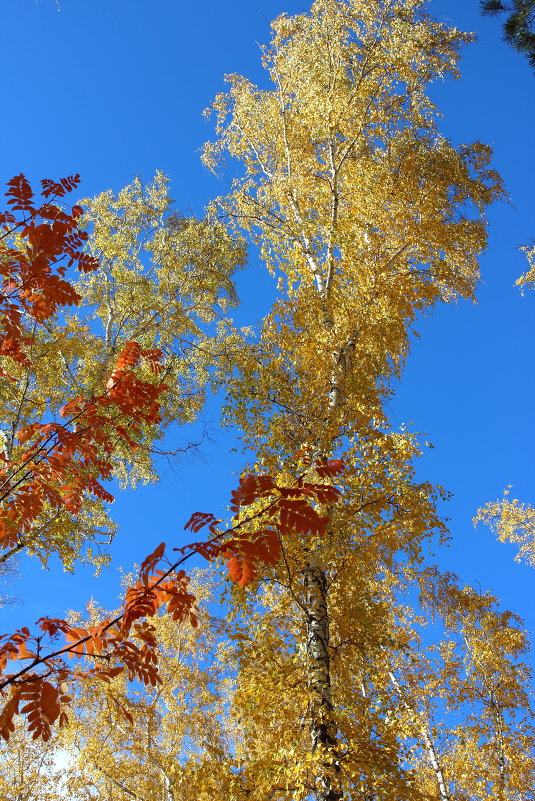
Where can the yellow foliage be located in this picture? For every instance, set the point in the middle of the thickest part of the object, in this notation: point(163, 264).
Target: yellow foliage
point(164, 281)
point(529, 277)
point(354, 668)
point(511, 521)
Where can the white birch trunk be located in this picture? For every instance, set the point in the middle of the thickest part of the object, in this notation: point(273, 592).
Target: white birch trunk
point(432, 755)
point(323, 734)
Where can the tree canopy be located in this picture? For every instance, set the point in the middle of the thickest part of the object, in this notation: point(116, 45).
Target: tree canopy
point(324, 653)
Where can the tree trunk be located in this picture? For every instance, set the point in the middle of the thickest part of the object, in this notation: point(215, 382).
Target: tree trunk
point(323, 732)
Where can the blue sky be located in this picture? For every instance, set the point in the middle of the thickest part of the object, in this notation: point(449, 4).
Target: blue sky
point(113, 89)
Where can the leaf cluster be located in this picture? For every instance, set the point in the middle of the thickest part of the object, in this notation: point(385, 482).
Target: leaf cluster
point(126, 642)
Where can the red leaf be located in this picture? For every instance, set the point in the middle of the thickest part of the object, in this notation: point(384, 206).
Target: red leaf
point(331, 468)
point(20, 193)
point(247, 553)
point(73, 636)
point(53, 625)
point(325, 493)
point(251, 488)
point(181, 605)
point(267, 546)
point(6, 217)
point(298, 517)
point(241, 570)
point(200, 519)
point(129, 356)
point(264, 547)
point(11, 708)
point(42, 707)
point(149, 563)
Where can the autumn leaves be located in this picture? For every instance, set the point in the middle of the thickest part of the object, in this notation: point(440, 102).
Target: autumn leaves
point(61, 463)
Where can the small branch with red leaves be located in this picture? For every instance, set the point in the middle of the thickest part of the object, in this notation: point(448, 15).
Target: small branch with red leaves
point(127, 643)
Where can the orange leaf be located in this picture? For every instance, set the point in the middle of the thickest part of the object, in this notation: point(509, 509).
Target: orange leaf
point(298, 517)
point(241, 570)
point(198, 520)
point(149, 563)
point(329, 468)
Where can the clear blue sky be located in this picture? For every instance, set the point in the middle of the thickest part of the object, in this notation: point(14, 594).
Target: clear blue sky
point(115, 88)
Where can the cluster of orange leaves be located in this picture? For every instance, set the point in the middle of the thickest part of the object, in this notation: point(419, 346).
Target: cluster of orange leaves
point(66, 459)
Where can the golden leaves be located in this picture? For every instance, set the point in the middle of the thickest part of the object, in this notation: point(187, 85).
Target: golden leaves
point(511, 521)
point(369, 217)
point(160, 289)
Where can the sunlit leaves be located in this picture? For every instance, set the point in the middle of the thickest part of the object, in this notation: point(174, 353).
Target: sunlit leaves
point(126, 642)
point(367, 216)
point(81, 404)
point(511, 521)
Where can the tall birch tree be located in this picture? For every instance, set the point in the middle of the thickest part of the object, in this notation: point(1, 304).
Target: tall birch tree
point(368, 217)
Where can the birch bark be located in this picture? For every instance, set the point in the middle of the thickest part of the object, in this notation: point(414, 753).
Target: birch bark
point(323, 733)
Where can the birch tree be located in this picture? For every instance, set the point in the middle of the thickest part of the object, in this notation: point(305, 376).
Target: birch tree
point(367, 216)
point(161, 280)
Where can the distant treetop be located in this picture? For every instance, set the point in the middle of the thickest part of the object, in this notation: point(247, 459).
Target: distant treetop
point(518, 28)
